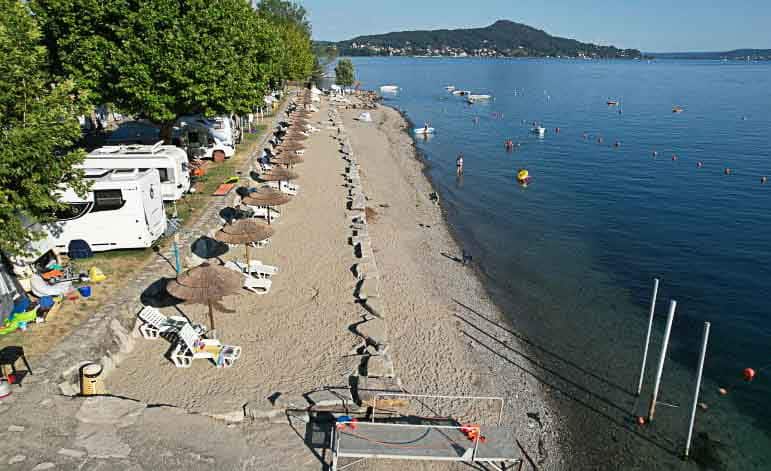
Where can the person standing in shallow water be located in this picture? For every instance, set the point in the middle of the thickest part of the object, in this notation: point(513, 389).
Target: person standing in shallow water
point(459, 164)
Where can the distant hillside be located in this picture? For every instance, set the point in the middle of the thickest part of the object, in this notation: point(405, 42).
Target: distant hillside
point(737, 54)
point(503, 38)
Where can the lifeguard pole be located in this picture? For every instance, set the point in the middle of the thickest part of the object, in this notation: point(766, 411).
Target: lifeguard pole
point(662, 359)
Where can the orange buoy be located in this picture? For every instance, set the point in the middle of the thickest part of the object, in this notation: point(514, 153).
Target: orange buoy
point(749, 374)
point(640, 420)
point(722, 391)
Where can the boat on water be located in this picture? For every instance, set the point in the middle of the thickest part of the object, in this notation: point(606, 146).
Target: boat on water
point(476, 98)
point(450, 88)
point(613, 103)
point(540, 131)
point(677, 109)
point(389, 88)
point(461, 92)
point(424, 131)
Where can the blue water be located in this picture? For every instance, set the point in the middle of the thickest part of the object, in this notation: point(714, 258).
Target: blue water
point(571, 257)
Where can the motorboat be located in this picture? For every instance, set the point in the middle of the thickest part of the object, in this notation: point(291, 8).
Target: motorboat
point(677, 109)
point(476, 98)
point(424, 130)
point(461, 92)
point(389, 88)
point(613, 103)
point(540, 131)
point(450, 88)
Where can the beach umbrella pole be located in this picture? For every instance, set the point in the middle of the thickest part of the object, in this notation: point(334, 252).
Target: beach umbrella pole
point(211, 316)
point(648, 335)
point(662, 359)
point(697, 389)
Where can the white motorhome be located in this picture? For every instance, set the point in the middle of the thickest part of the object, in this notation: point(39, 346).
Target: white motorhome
point(223, 134)
point(170, 161)
point(122, 210)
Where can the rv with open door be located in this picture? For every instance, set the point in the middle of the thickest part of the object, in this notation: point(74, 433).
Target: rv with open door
point(122, 210)
point(170, 161)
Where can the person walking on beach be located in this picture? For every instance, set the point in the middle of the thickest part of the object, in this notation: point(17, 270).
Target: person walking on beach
point(459, 164)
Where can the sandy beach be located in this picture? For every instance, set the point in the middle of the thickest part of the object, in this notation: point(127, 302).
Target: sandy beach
point(300, 337)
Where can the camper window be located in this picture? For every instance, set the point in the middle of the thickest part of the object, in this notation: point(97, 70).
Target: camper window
point(71, 211)
point(107, 200)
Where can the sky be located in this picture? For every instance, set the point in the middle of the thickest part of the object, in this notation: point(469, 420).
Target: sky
point(648, 25)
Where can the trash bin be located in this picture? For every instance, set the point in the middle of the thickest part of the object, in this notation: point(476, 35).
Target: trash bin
point(91, 383)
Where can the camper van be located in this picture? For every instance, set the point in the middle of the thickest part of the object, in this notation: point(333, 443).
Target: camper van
point(223, 134)
point(170, 161)
point(122, 210)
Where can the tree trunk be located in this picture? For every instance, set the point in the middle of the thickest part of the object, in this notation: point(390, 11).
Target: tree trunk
point(166, 131)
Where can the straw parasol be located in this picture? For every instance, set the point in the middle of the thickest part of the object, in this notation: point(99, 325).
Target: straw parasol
point(288, 159)
point(244, 231)
point(278, 175)
point(205, 284)
point(267, 197)
point(291, 146)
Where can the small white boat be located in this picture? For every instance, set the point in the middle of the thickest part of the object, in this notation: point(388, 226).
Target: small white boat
point(540, 131)
point(424, 130)
point(461, 92)
point(450, 88)
point(476, 98)
point(389, 88)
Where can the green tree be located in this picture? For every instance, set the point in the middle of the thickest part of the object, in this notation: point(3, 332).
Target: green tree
point(38, 129)
point(283, 11)
point(161, 59)
point(344, 72)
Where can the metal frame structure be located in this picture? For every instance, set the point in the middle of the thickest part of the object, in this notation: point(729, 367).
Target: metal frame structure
point(450, 435)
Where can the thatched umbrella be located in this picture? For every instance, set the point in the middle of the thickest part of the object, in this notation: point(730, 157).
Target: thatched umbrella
point(288, 159)
point(291, 146)
point(278, 175)
point(205, 284)
point(267, 197)
point(244, 231)
point(294, 137)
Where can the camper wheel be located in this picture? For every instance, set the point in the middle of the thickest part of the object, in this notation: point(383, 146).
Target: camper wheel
point(218, 155)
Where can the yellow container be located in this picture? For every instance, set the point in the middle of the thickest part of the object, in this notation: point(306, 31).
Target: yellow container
point(91, 383)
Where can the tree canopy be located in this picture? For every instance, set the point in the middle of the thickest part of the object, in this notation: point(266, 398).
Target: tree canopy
point(283, 11)
point(344, 72)
point(38, 129)
point(164, 58)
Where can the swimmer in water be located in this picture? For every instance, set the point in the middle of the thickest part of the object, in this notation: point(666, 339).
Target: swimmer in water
point(674, 157)
point(727, 171)
point(459, 164)
point(763, 180)
point(617, 144)
point(699, 164)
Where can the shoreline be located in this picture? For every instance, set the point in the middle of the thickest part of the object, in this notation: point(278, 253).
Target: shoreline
point(528, 407)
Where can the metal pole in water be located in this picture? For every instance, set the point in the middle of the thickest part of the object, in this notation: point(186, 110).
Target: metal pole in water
point(697, 390)
point(648, 335)
point(662, 358)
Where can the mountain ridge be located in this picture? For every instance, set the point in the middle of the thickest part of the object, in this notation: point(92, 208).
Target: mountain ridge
point(504, 38)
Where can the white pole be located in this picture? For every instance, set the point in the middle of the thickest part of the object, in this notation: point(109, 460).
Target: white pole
point(648, 335)
point(662, 358)
point(697, 390)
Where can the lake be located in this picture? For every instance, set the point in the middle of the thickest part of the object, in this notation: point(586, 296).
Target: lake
point(619, 195)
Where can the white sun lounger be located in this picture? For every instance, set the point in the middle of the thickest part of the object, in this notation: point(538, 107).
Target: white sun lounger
point(256, 268)
point(192, 346)
point(289, 188)
point(156, 324)
point(257, 285)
